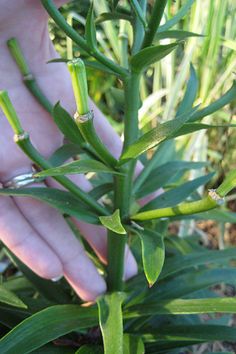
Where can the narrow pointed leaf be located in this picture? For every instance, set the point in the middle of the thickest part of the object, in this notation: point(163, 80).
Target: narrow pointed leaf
point(155, 137)
point(165, 173)
point(228, 97)
point(90, 30)
point(113, 222)
point(64, 153)
point(190, 94)
point(108, 16)
point(197, 333)
point(67, 125)
point(76, 167)
point(9, 298)
point(45, 326)
point(153, 254)
point(150, 55)
point(111, 322)
point(133, 344)
point(179, 263)
point(177, 34)
point(65, 202)
point(139, 12)
point(183, 307)
point(189, 128)
point(175, 19)
point(177, 195)
point(189, 282)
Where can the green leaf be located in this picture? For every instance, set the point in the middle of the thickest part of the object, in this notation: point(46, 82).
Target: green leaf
point(179, 263)
point(189, 128)
point(113, 222)
point(199, 333)
point(139, 12)
point(190, 94)
point(176, 195)
point(90, 29)
point(101, 190)
point(111, 322)
point(153, 254)
point(67, 125)
point(150, 55)
point(108, 16)
point(228, 97)
point(46, 326)
point(64, 153)
point(175, 19)
point(65, 202)
point(98, 66)
point(9, 298)
point(182, 307)
point(177, 34)
point(192, 281)
point(11, 316)
point(165, 173)
point(76, 167)
point(133, 344)
point(217, 214)
point(155, 136)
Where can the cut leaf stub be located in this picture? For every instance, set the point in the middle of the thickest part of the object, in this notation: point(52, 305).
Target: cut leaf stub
point(113, 222)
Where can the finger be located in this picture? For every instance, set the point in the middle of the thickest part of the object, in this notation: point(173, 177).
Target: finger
point(25, 243)
point(77, 267)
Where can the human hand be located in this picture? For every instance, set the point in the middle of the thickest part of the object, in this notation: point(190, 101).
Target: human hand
point(36, 233)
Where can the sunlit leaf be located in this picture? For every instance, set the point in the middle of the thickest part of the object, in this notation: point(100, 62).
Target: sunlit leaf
point(76, 167)
point(133, 344)
point(111, 322)
point(45, 326)
point(113, 222)
point(153, 254)
point(67, 125)
point(155, 136)
point(65, 202)
point(182, 306)
point(9, 298)
point(150, 55)
point(175, 19)
point(90, 30)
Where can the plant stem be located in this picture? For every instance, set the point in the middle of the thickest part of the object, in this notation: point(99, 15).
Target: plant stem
point(154, 22)
point(28, 78)
point(23, 141)
point(123, 185)
point(81, 42)
point(181, 209)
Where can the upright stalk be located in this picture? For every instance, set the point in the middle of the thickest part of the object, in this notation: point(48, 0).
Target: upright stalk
point(123, 185)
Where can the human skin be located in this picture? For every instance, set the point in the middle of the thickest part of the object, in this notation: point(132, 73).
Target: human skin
point(33, 231)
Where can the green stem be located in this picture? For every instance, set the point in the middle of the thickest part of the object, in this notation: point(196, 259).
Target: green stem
point(154, 22)
point(89, 133)
point(28, 78)
point(123, 186)
point(181, 209)
point(67, 29)
point(213, 200)
point(84, 117)
point(23, 141)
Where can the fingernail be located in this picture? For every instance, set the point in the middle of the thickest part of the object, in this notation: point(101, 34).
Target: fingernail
point(57, 278)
